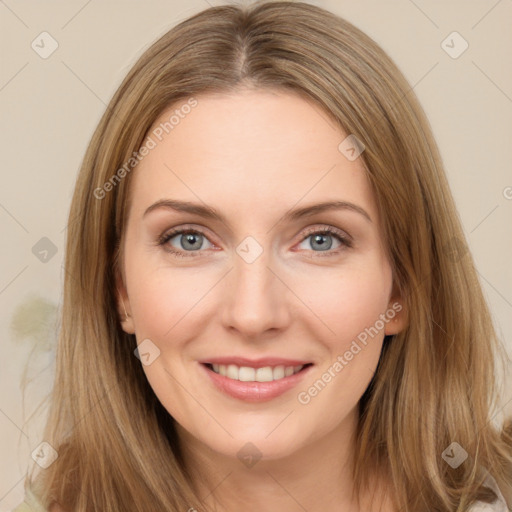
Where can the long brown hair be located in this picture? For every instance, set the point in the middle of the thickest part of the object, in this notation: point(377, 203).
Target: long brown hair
point(435, 383)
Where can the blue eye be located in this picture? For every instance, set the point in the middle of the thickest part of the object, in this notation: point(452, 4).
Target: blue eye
point(322, 240)
point(190, 242)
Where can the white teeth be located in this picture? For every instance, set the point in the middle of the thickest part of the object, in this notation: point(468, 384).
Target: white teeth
point(248, 374)
point(277, 373)
point(245, 374)
point(232, 371)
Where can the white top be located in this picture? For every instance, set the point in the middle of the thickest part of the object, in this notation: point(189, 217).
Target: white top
point(500, 505)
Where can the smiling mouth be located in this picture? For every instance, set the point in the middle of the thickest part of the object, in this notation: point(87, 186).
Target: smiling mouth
point(248, 374)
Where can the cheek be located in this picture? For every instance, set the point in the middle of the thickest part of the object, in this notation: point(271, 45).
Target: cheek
point(353, 307)
point(349, 300)
point(162, 299)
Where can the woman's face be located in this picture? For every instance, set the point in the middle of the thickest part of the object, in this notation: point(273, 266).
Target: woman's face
point(258, 279)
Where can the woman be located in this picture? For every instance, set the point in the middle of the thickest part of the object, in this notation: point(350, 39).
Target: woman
point(269, 302)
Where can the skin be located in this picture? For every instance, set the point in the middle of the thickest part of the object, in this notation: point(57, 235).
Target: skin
point(254, 155)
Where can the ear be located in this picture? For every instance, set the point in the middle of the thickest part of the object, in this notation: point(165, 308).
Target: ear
point(123, 305)
point(398, 320)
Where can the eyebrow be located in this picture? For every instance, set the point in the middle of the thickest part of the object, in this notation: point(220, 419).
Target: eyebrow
point(208, 212)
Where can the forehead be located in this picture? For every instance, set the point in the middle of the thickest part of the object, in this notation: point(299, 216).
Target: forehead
point(247, 149)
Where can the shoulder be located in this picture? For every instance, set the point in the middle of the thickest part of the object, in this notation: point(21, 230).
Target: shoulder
point(500, 505)
point(33, 504)
point(35, 507)
point(497, 506)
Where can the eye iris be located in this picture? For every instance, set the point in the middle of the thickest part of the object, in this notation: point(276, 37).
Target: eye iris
point(320, 239)
point(190, 238)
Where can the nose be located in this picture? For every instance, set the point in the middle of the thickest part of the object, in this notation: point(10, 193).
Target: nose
point(256, 298)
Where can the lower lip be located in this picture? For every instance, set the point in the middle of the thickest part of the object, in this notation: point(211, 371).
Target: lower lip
point(254, 391)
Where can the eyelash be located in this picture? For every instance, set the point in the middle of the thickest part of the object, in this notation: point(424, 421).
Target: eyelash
point(342, 238)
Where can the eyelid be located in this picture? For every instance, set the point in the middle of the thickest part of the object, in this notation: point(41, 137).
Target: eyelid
point(327, 228)
point(179, 230)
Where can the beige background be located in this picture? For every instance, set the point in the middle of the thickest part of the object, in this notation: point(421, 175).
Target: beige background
point(51, 106)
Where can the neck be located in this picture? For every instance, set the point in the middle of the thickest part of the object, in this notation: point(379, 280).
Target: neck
point(316, 477)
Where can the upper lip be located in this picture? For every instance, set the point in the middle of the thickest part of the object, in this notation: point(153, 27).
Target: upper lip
point(255, 363)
